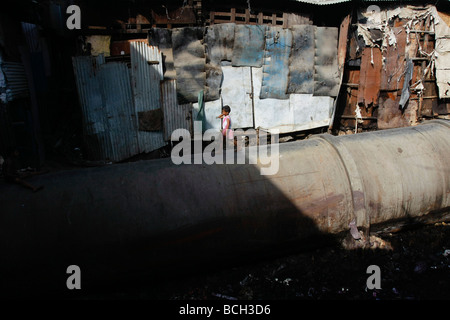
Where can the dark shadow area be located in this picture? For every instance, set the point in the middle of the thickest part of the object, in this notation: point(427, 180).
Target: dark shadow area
point(131, 225)
point(152, 230)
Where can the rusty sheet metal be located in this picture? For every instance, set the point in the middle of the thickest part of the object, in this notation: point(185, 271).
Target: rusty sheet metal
point(189, 60)
point(394, 62)
point(370, 77)
point(301, 60)
point(326, 70)
point(248, 48)
point(95, 125)
point(391, 116)
point(175, 116)
point(344, 30)
point(276, 63)
point(119, 110)
point(146, 75)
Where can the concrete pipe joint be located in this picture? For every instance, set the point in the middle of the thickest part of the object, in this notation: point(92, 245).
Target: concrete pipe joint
point(151, 214)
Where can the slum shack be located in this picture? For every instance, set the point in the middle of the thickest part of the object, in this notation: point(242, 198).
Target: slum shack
point(352, 97)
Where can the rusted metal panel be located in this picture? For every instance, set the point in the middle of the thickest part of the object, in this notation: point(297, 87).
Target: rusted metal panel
point(391, 116)
point(276, 63)
point(326, 71)
point(394, 62)
point(248, 48)
point(343, 41)
point(301, 60)
point(370, 77)
point(175, 116)
point(146, 75)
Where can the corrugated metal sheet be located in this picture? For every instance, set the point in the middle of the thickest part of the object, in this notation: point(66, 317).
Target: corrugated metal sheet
point(95, 126)
point(15, 80)
point(276, 63)
point(146, 75)
point(175, 116)
point(31, 34)
point(111, 98)
point(119, 110)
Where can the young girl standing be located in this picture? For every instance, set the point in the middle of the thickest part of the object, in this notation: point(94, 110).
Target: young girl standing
point(227, 132)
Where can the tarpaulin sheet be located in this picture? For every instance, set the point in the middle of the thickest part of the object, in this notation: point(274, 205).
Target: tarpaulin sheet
point(162, 38)
point(189, 60)
point(219, 42)
point(276, 63)
point(301, 60)
point(248, 48)
point(326, 70)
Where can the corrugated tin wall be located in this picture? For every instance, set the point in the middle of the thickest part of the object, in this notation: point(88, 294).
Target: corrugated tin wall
point(112, 97)
point(175, 116)
point(95, 126)
point(146, 75)
point(15, 80)
point(119, 110)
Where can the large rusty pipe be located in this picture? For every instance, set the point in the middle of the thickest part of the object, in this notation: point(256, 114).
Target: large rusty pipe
point(154, 213)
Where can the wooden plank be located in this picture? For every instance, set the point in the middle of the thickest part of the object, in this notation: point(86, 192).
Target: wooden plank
point(370, 77)
point(393, 71)
point(233, 14)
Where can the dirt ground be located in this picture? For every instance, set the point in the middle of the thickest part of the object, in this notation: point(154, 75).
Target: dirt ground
point(417, 267)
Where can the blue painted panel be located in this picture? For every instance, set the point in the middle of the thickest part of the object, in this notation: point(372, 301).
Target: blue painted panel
point(248, 49)
point(276, 63)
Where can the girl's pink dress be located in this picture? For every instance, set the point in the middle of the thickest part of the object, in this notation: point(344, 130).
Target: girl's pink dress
point(226, 127)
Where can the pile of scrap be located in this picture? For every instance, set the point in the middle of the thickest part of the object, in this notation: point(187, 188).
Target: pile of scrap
point(396, 69)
